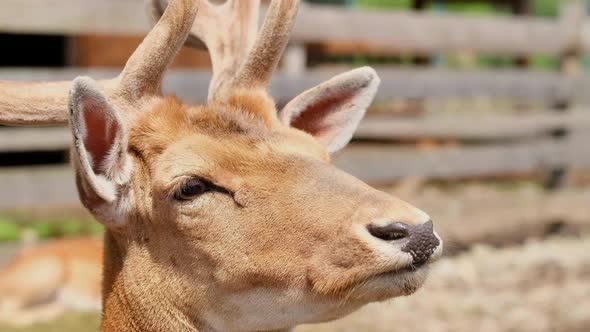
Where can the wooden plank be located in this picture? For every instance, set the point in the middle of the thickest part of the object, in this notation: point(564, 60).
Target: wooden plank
point(73, 17)
point(34, 139)
point(427, 33)
point(585, 37)
point(384, 163)
point(500, 127)
point(381, 128)
point(571, 64)
point(37, 187)
point(398, 32)
point(520, 85)
point(540, 87)
point(577, 149)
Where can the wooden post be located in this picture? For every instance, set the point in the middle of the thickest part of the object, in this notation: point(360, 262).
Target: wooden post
point(295, 60)
point(421, 60)
point(420, 4)
point(572, 16)
point(521, 8)
point(72, 56)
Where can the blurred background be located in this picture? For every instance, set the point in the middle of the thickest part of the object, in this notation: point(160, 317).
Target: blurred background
point(482, 120)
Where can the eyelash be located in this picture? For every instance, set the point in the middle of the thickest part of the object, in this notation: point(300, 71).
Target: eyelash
point(190, 189)
point(194, 187)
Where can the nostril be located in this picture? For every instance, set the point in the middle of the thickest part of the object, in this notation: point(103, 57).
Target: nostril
point(390, 232)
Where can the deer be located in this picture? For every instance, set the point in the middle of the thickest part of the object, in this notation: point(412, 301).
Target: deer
point(229, 215)
point(43, 282)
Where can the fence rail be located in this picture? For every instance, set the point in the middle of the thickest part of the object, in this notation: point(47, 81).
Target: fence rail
point(518, 85)
point(399, 32)
point(470, 128)
point(34, 139)
point(380, 163)
point(24, 187)
point(372, 128)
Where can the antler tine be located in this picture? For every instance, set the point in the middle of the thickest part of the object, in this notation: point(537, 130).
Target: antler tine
point(257, 69)
point(227, 31)
point(143, 73)
point(46, 103)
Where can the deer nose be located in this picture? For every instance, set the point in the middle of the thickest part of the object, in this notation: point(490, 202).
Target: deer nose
point(421, 241)
point(422, 244)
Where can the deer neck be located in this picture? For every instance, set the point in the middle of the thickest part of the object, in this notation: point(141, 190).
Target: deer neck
point(133, 301)
point(136, 302)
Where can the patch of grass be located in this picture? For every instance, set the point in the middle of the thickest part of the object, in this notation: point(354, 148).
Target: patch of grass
point(13, 226)
point(8, 230)
point(66, 323)
point(549, 8)
point(389, 4)
point(475, 7)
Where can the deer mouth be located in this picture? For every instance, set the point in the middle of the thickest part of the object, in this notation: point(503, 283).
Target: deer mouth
point(414, 267)
point(408, 270)
point(399, 282)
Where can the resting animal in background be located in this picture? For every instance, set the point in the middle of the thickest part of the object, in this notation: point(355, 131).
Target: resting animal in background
point(225, 216)
point(41, 283)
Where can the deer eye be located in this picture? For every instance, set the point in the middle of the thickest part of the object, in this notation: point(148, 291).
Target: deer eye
point(191, 189)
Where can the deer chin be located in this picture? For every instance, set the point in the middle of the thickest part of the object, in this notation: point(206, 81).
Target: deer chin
point(394, 284)
point(268, 309)
point(386, 286)
point(403, 281)
point(272, 309)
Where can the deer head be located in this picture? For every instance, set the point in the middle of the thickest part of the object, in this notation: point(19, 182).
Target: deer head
point(227, 216)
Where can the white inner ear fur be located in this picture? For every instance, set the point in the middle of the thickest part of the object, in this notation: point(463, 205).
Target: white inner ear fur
point(332, 110)
point(115, 167)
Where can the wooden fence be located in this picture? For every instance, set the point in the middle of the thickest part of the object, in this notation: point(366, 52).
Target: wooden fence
point(398, 32)
point(554, 137)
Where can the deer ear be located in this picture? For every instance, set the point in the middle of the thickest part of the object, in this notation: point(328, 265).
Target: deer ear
point(100, 151)
point(332, 110)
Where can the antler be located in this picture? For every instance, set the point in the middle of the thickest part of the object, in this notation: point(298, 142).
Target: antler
point(229, 31)
point(45, 103)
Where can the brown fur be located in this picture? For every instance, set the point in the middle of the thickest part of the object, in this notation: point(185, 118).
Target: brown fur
point(187, 258)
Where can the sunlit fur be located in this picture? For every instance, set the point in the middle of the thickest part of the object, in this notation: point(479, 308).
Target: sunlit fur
point(286, 245)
